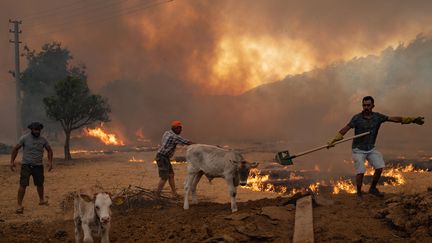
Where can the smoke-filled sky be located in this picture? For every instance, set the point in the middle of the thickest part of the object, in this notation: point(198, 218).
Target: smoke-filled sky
point(174, 51)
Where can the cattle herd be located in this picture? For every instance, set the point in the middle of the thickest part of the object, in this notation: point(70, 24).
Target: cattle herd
point(92, 206)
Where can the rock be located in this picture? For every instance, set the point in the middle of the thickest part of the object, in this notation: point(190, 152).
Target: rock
point(223, 238)
point(274, 222)
point(251, 231)
point(392, 205)
point(237, 216)
point(380, 214)
point(276, 213)
point(393, 199)
point(397, 218)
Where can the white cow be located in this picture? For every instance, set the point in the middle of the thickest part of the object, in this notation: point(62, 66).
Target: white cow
point(92, 211)
point(213, 162)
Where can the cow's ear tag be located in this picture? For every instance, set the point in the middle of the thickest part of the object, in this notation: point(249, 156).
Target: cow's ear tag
point(119, 200)
point(86, 197)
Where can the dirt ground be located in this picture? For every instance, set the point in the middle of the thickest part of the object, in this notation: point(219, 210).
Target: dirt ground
point(262, 216)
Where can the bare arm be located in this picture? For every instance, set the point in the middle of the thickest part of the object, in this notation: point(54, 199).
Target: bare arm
point(397, 119)
point(14, 155)
point(407, 120)
point(344, 130)
point(50, 157)
point(339, 136)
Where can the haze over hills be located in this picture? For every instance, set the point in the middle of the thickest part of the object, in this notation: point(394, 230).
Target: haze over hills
point(309, 107)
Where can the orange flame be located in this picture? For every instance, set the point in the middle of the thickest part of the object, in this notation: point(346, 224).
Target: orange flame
point(79, 151)
point(395, 172)
point(294, 177)
point(106, 138)
point(136, 160)
point(139, 133)
point(173, 162)
point(257, 182)
point(343, 186)
point(314, 187)
point(260, 182)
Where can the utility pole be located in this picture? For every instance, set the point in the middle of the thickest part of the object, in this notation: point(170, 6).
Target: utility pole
point(17, 75)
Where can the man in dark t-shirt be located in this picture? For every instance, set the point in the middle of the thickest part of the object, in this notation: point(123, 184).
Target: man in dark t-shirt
point(363, 148)
point(31, 165)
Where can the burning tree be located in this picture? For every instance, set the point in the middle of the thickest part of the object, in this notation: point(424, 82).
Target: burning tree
point(74, 106)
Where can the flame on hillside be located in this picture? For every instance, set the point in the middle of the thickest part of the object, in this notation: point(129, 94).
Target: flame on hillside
point(106, 137)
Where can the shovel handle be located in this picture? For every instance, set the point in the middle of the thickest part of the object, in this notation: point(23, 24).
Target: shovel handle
point(325, 146)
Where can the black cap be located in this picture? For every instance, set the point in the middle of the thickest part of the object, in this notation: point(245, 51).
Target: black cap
point(35, 125)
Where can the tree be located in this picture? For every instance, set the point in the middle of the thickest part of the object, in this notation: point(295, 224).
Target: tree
point(74, 106)
point(44, 69)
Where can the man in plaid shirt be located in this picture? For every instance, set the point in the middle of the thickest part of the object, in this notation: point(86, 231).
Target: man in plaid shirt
point(170, 139)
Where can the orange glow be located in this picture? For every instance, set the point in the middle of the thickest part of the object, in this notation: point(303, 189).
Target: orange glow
point(139, 133)
point(245, 62)
point(259, 182)
point(396, 173)
point(294, 177)
point(343, 186)
point(255, 182)
point(79, 151)
point(136, 160)
point(173, 162)
point(105, 137)
point(314, 187)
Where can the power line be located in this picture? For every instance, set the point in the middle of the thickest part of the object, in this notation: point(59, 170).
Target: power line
point(131, 10)
point(67, 23)
point(71, 13)
point(53, 10)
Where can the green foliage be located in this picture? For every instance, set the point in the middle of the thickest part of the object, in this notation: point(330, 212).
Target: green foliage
point(74, 106)
point(43, 71)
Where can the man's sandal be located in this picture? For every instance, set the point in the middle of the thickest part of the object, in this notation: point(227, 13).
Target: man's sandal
point(19, 210)
point(43, 203)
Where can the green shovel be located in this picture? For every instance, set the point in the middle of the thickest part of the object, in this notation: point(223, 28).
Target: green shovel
point(284, 157)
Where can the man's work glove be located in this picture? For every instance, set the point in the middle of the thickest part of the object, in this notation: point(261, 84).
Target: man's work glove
point(417, 120)
point(338, 137)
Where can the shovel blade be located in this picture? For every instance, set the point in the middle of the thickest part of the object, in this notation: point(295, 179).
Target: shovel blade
point(284, 158)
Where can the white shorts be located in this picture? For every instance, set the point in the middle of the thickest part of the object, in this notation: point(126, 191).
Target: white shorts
point(374, 158)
